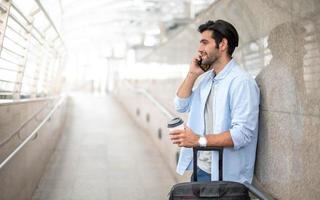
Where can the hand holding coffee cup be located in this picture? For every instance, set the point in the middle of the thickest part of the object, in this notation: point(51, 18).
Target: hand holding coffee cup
point(182, 135)
point(176, 126)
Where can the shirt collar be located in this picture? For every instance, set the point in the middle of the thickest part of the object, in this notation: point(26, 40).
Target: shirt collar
point(225, 71)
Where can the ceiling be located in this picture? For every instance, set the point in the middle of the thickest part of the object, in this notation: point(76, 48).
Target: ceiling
point(128, 23)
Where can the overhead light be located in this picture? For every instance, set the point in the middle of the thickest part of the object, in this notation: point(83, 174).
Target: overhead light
point(154, 31)
point(150, 41)
point(138, 2)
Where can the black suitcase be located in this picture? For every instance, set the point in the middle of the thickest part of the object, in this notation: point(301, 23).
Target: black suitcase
point(222, 190)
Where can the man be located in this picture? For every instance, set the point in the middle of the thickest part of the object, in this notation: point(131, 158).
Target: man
point(223, 109)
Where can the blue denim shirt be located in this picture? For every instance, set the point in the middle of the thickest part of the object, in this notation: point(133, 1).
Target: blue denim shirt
point(236, 104)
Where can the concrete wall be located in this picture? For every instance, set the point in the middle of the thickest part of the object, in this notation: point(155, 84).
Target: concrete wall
point(20, 177)
point(280, 46)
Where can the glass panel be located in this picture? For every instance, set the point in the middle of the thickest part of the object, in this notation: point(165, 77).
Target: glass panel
point(25, 6)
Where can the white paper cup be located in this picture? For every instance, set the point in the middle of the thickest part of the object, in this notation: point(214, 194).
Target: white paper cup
point(175, 124)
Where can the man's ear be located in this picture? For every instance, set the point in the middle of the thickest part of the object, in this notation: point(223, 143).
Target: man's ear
point(223, 44)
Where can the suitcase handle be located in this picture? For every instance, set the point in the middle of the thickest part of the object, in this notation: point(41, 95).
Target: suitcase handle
point(195, 155)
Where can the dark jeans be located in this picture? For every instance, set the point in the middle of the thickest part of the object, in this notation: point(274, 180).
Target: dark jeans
point(202, 176)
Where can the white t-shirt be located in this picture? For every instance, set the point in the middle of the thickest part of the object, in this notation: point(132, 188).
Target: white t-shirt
point(204, 157)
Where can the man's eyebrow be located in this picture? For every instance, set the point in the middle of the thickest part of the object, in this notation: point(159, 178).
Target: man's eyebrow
point(203, 40)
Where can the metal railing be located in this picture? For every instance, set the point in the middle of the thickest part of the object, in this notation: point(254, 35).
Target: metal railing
point(146, 94)
point(25, 123)
point(22, 40)
point(258, 192)
point(33, 134)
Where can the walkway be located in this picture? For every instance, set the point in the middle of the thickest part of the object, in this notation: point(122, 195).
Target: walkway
point(103, 155)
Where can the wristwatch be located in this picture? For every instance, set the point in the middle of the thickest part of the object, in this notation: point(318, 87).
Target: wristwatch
point(202, 141)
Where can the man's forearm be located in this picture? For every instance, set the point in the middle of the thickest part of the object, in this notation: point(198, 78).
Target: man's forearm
point(185, 88)
point(223, 139)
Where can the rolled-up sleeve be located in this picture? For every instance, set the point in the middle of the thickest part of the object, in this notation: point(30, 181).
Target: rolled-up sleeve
point(182, 104)
point(244, 104)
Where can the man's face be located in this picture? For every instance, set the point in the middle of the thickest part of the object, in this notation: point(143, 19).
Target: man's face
point(208, 49)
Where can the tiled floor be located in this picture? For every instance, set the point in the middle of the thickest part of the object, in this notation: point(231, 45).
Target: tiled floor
point(103, 155)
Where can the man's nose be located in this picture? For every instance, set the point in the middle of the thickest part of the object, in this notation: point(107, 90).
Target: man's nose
point(201, 53)
point(200, 49)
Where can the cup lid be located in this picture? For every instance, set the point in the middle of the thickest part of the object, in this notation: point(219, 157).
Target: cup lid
point(175, 122)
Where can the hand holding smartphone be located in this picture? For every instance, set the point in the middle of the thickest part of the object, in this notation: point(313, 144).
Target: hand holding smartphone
point(204, 67)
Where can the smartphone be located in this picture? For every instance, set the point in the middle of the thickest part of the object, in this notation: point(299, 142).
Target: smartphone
point(202, 66)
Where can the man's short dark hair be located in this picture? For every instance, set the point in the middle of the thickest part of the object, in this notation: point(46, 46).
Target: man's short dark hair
point(222, 29)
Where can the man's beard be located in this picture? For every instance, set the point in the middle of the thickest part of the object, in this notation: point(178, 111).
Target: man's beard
point(211, 61)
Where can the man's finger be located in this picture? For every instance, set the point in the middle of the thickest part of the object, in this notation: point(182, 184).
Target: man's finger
point(179, 140)
point(174, 137)
point(176, 142)
point(175, 132)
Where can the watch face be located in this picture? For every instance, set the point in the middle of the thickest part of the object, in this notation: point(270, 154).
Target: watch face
point(202, 141)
